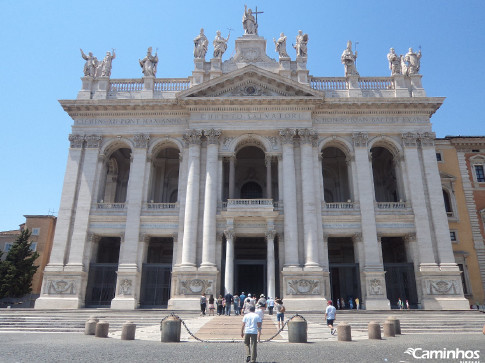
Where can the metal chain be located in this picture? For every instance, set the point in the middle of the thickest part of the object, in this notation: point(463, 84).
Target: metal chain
point(226, 341)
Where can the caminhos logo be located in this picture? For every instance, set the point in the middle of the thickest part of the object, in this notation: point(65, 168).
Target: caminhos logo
point(464, 355)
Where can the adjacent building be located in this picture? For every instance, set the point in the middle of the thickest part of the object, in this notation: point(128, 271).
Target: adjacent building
point(251, 175)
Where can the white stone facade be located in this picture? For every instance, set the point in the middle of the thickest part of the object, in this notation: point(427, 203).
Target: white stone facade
point(251, 171)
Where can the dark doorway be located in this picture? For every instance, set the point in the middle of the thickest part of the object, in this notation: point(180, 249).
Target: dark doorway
point(250, 265)
point(400, 279)
point(101, 286)
point(157, 273)
point(344, 272)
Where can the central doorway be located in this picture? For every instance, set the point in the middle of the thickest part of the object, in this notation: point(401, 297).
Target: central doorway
point(250, 265)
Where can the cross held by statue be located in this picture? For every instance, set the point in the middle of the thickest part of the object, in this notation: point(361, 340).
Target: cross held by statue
point(256, 12)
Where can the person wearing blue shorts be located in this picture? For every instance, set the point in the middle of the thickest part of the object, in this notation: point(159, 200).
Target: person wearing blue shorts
point(280, 312)
point(330, 316)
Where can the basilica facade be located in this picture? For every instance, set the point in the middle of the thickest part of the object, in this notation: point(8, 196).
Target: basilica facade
point(251, 175)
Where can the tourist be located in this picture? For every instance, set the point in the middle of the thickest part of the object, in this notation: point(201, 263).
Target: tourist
point(219, 305)
point(407, 305)
point(338, 304)
point(262, 300)
point(247, 305)
point(330, 313)
point(270, 302)
point(249, 331)
point(228, 302)
point(351, 304)
point(236, 304)
point(280, 312)
point(211, 305)
point(357, 303)
point(242, 297)
point(203, 302)
point(399, 304)
point(260, 312)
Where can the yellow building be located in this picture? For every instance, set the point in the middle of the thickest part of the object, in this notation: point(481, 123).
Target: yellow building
point(459, 221)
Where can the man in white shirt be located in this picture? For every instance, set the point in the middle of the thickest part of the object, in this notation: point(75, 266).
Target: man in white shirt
point(260, 312)
point(330, 316)
point(249, 331)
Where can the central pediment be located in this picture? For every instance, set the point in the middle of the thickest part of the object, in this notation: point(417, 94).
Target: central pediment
point(250, 82)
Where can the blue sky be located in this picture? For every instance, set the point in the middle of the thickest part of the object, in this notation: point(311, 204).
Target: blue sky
point(41, 63)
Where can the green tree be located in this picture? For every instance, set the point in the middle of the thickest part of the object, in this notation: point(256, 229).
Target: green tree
point(18, 269)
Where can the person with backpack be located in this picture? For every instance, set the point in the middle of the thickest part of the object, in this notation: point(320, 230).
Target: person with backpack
point(280, 312)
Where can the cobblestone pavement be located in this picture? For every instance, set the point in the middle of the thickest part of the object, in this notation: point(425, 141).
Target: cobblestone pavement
point(76, 347)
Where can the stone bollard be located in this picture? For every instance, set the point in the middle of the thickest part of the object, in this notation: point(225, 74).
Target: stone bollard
point(170, 328)
point(344, 332)
point(397, 324)
point(389, 329)
point(297, 330)
point(128, 331)
point(374, 329)
point(102, 329)
point(90, 326)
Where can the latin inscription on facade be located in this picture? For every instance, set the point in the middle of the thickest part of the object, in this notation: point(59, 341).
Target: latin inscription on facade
point(243, 116)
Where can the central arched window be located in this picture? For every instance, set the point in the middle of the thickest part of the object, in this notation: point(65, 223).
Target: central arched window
point(251, 190)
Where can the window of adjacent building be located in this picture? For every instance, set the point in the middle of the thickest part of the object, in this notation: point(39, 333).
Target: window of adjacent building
point(446, 197)
point(479, 174)
point(439, 157)
point(463, 279)
point(453, 236)
point(7, 247)
point(35, 231)
point(33, 246)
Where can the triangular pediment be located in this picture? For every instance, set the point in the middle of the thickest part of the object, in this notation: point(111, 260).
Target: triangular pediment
point(249, 82)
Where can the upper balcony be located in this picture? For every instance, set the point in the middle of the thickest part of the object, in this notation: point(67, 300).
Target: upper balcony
point(250, 207)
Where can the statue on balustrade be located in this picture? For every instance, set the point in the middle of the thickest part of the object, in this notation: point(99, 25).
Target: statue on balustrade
point(249, 22)
point(220, 44)
point(90, 65)
point(280, 46)
point(412, 61)
point(149, 64)
point(104, 68)
point(200, 45)
point(348, 59)
point(301, 44)
point(394, 62)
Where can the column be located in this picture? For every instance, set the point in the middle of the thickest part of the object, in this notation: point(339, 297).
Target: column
point(85, 196)
point(232, 173)
point(134, 200)
point(62, 236)
point(308, 194)
point(366, 194)
point(318, 183)
point(128, 268)
point(280, 180)
point(229, 271)
point(270, 263)
point(437, 208)
point(189, 245)
point(418, 201)
point(210, 201)
point(269, 192)
point(289, 199)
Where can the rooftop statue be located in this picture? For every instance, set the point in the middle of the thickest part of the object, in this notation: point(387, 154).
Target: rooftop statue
point(412, 61)
point(200, 45)
point(348, 60)
point(394, 62)
point(220, 44)
point(104, 68)
point(149, 64)
point(301, 44)
point(280, 45)
point(249, 22)
point(90, 65)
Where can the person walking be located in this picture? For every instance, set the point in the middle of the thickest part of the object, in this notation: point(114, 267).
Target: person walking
point(280, 312)
point(249, 331)
point(270, 302)
point(330, 313)
point(236, 304)
point(260, 312)
point(229, 300)
point(219, 305)
point(211, 305)
point(203, 304)
point(357, 302)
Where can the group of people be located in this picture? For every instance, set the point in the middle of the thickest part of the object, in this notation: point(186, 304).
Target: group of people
point(341, 304)
point(401, 305)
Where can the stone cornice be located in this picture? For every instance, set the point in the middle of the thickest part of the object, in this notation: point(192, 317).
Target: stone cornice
point(467, 143)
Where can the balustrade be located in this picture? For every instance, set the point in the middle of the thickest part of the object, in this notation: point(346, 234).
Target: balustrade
point(111, 206)
point(376, 83)
point(391, 205)
point(323, 84)
point(339, 205)
point(171, 84)
point(161, 205)
point(125, 85)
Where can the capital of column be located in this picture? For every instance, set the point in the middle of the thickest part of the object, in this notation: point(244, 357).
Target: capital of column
point(212, 136)
point(360, 139)
point(268, 159)
point(410, 237)
point(229, 233)
point(307, 136)
point(192, 137)
point(76, 141)
point(427, 139)
point(271, 234)
point(410, 139)
point(93, 141)
point(287, 135)
point(357, 237)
